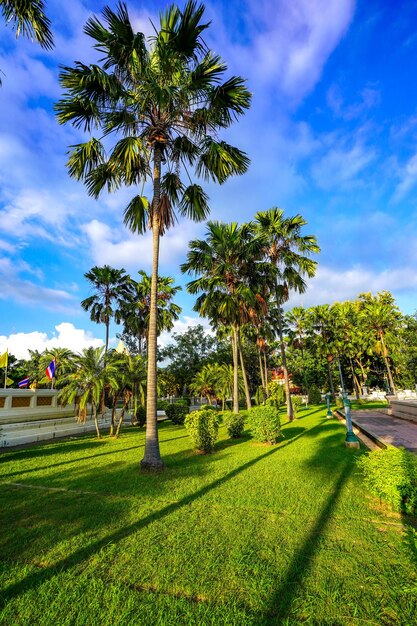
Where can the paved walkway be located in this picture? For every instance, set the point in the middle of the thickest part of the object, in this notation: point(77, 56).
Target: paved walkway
point(386, 429)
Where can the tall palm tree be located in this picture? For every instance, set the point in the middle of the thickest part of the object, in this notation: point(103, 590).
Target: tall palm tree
point(136, 309)
point(28, 18)
point(229, 272)
point(163, 101)
point(112, 288)
point(289, 252)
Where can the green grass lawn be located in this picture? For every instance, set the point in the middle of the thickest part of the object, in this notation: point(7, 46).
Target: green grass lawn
point(250, 534)
point(370, 405)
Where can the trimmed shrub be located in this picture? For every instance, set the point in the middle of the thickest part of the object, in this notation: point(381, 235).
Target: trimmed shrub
point(203, 427)
point(296, 402)
point(161, 405)
point(141, 415)
point(176, 412)
point(265, 424)
point(183, 402)
point(276, 394)
point(314, 395)
point(391, 475)
point(235, 423)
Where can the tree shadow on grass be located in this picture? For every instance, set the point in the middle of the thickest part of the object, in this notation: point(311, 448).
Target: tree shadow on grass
point(330, 459)
point(76, 459)
point(300, 565)
point(37, 578)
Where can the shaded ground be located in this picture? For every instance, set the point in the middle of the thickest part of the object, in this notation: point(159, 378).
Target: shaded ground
point(248, 535)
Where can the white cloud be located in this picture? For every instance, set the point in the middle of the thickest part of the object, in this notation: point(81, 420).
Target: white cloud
point(291, 41)
point(119, 248)
point(332, 285)
point(341, 165)
point(75, 339)
point(181, 326)
point(408, 179)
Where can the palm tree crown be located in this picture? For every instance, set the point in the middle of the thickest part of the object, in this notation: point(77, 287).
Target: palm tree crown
point(28, 18)
point(112, 288)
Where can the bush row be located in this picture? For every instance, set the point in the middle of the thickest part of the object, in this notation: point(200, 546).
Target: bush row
point(391, 475)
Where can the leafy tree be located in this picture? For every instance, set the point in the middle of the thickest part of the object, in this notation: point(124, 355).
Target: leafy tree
point(28, 18)
point(188, 353)
point(112, 288)
point(163, 104)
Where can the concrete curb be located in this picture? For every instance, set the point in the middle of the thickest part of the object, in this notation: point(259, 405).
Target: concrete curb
point(369, 439)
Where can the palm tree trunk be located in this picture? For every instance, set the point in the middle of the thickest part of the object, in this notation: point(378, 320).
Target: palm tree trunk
point(96, 422)
point(152, 458)
point(260, 363)
point(245, 378)
point(355, 380)
point(113, 415)
point(266, 376)
point(290, 412)
point(235, 372)
point(391, 380)
point(330, 375)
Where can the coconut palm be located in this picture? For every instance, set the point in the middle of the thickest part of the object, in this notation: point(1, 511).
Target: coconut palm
point(28, 18)
point(289, 252)
point(87, 383)
point(163, 101)
point(136, 309)
point(229, 272)
point(112, 288)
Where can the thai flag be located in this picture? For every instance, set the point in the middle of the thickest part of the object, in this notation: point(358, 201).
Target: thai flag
point(23, 383)
point(50, 370)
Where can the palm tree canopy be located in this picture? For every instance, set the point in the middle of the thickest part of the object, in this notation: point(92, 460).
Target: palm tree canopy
point(112, 286)
point(28, 18)
point(136, 309)
point(288, 249)
point(166, 96)
point(230, 273)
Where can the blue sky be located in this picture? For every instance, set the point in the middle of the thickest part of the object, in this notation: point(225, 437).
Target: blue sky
point(332, 134)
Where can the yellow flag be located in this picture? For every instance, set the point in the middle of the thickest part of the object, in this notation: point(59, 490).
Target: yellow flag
point(4, 359)
point(9, 381)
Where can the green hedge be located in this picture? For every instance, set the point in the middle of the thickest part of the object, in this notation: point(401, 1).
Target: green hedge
point(391, 475)
point(314, 395)
point(176, 412)
point(234, 422)
point(265, 423)
point(203, 427)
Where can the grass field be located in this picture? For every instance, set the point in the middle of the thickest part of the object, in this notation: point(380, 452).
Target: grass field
point(250, 534)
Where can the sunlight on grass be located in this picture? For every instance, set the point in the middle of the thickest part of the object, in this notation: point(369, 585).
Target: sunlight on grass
point(250, 534)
